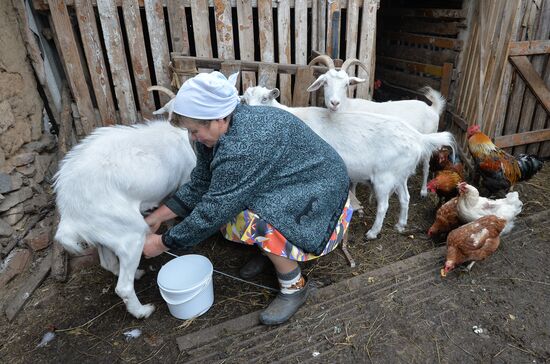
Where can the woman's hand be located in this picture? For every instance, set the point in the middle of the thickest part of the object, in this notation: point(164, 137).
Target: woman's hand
point(153, 222)
point(153, 246)
point(159, 216)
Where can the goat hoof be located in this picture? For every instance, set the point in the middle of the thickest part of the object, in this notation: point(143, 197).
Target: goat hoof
point(371, 235)
point(144, 311)
point(139, 273)
point(424, 193)
point(400, 228)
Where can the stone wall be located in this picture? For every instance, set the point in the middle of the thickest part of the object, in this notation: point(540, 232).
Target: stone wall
point(27, 149)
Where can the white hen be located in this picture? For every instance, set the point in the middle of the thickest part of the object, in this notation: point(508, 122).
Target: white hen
point(471, 206)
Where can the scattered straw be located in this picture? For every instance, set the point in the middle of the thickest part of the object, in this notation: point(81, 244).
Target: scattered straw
point(451, 340)
point(521, 280)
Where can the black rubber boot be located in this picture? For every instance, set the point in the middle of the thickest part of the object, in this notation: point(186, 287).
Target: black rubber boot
point(284, 306)
point(254, 266)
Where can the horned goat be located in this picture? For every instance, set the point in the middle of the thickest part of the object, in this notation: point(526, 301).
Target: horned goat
point(417, 114)
point(377, 148)
point(105, 183)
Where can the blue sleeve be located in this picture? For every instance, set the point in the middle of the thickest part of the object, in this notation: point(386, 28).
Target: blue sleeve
point(188, 196)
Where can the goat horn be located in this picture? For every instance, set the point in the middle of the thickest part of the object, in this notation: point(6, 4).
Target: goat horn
point(354, 61)
point(323, 58)
point(162, 89)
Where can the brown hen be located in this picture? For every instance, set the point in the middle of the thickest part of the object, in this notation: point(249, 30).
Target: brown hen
point(473, 242)
point(446, 218)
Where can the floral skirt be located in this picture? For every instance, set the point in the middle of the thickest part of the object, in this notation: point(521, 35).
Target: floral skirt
point(250, 229)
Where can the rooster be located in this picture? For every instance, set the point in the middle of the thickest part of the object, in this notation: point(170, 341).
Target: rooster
point(498, 169)
point(471, 206)
point(473, 242)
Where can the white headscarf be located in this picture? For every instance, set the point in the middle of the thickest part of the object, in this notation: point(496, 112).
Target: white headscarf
point(207, 96)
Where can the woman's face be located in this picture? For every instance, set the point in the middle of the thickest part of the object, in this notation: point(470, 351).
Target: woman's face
point(207, 133)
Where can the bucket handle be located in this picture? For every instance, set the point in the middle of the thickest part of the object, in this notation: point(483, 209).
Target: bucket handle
point(199, 291)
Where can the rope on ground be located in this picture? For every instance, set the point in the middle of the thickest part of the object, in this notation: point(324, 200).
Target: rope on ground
point(233, 277)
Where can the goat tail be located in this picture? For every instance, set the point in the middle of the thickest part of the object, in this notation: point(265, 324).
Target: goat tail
point(435, 141)
point(68, 237)
point(435, 97)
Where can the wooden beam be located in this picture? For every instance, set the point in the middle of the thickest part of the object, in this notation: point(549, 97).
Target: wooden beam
point(31, 284)
point(215, 63)
point(425, 13)
point(45, 4)
point(440, 42)
point(412, 66)
point(523, 138)
point(529, 47)
point(424, 26)
point(458, 120)
point(533, 80)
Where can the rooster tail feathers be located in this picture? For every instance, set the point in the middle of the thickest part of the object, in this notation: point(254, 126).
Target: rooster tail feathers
point(437, 100)
point(529, 165)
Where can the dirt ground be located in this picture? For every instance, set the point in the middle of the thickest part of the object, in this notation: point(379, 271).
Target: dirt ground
point(90, 320)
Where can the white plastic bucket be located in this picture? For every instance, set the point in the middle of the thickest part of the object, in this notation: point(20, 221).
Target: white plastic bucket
point(186, 285)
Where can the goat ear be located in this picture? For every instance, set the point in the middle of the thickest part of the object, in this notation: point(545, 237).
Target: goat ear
point(273, 94)
point(233, 78)
point(320, 81)
point(356, 80)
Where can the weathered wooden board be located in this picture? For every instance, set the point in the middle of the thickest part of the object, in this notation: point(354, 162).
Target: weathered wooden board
point(17, 302)
point(246, 39)
point(224, 29)
point(94, 57)
point(409, 81)
point(201, 28)
point(230, 67)
point(178, 26)
point(440, 42)
point(267, 75)
point(426, 27)
point(304, 78)
point(533, 80)
point(426, 13)
point(416, 54)
point(283, 23)
point(429, 69)
point(138, 55)
point(114, 44)
point(154, 13)
point(300, 31)
point(73, 66)
point(529, 47)
point(265, 24)
point(367, 47)
point(523, 138)
point(333, 29)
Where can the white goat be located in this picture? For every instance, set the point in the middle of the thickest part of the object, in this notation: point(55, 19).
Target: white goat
point(417, 114)
point(376, 148)
point(104, 184)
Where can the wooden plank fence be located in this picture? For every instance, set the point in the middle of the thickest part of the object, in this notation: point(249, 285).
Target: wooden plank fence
point(505, 75)
point(124, 46)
